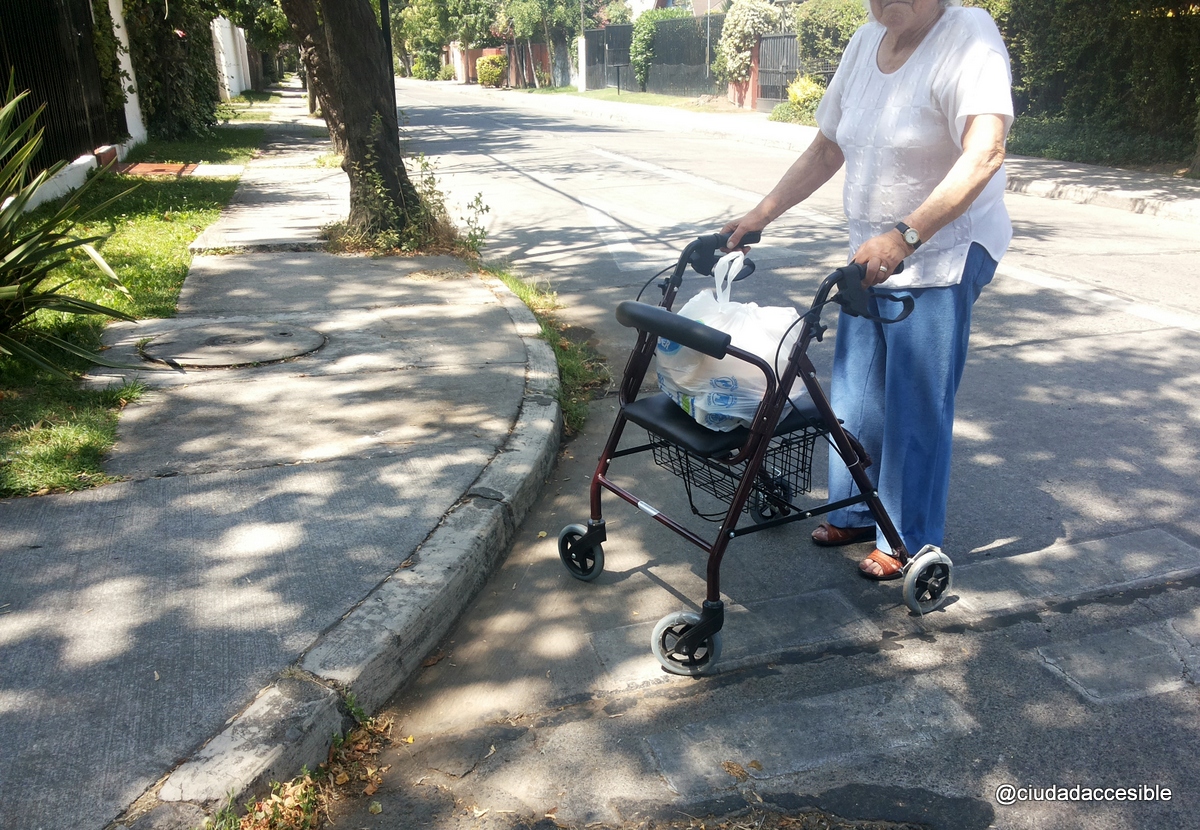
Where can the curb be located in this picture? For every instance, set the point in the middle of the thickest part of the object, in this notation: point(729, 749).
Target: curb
point(1131, 201)
point(378, 645)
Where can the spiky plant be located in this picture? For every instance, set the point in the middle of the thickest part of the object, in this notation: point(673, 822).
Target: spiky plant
point(32, 249)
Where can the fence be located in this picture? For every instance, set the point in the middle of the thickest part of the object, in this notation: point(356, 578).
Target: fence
point(683, 55)
point(48, 44)
point(608, 57)
point(778, 65)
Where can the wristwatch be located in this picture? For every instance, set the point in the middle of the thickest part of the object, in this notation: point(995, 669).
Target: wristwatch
point(911, 235)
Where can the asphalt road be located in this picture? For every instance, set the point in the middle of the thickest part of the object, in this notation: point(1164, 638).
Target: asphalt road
point(1070, 661)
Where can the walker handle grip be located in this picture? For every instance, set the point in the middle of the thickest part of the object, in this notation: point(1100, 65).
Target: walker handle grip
point(703, 256)
point(854, 299)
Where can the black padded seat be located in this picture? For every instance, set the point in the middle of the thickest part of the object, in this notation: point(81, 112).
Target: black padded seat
point(666, 419)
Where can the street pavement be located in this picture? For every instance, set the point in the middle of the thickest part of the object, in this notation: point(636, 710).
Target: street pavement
point(334, 454)
point(1067, 657)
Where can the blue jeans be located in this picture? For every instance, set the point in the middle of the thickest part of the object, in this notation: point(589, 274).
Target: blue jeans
point(894, 387)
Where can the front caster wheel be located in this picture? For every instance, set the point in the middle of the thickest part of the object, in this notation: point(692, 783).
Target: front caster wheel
point(927, 580)
point(666, 638)
point(586, 564)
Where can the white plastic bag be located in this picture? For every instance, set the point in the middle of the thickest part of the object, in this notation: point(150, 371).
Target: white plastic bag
point(724, 394)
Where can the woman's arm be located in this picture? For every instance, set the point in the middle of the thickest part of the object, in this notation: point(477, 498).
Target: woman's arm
point(815, 166)
point(983, 153)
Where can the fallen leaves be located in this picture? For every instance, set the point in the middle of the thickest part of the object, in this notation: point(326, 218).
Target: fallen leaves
point(353, 761)
point(736, 770)
point(291, 806)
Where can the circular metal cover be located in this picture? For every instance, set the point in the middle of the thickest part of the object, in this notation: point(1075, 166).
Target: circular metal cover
point(225, 345)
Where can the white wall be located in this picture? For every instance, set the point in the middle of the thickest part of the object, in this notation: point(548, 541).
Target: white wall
point(133, 106)
point(229, 46)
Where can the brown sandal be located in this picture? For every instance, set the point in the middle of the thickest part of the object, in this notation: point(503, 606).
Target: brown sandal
point(892, 569)
point(832, 536)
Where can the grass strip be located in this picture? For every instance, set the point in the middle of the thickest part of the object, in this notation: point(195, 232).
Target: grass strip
point(53, 433)
point(57, 435)
point(148, 231)
point(581, 370)
point(225, 144)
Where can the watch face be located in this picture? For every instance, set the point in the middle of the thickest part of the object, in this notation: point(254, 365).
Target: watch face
point(911, 236)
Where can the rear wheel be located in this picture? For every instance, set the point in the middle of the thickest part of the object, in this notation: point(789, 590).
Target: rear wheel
point(765, 507)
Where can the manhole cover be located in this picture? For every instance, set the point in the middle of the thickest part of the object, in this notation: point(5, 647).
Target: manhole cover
point(223, 345)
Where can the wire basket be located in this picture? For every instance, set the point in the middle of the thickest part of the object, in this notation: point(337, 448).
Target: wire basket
point(786, 470)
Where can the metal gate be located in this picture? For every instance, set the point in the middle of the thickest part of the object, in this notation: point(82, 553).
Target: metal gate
point(48, 44)
point(778, 64)
point(608, 57)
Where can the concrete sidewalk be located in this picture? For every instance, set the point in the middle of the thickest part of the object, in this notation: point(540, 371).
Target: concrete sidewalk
point(332, 454)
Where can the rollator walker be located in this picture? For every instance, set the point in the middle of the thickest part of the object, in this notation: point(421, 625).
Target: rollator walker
point(756, 471)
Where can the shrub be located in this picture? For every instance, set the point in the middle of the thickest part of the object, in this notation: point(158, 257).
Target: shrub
point(1093, 142)
point(447, 73)
point(1126, 64)
point(491, 70)
point(641, 47)
point(745, 23)
point(426, 66)
point(824, 27)
point(785, 112)
point(804, 94)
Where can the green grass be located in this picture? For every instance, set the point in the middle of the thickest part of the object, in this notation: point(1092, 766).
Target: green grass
point(148, 234)
point(54, 434)
point(243, 107)
point(581, 371)
point(225, 144)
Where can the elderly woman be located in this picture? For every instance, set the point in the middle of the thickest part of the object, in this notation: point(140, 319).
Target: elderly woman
point(917, 112)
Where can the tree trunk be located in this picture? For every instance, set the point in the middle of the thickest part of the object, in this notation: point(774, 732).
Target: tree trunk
point(550, 47)
point(532, 65)
point(314, 53)
point(351, 71)
point(518, 60)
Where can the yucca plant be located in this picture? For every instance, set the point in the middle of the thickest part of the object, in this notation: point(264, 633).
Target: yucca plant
point(31, 250)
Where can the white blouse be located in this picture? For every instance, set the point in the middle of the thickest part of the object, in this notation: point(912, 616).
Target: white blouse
point(902, 132)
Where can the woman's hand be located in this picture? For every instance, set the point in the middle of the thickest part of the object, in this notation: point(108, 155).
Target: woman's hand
point(755, 220)
point(882, 255)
